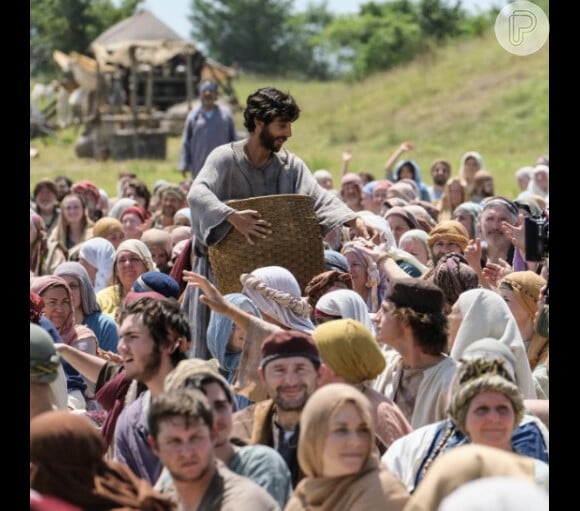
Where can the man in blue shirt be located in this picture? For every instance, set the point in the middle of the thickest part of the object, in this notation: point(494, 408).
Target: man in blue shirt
point(207, 126)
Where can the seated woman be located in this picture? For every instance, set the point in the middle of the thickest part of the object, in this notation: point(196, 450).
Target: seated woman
point(86, 309)
point(486, 407)
point(368, 279)
point(336, 453)
point(326, 281)
point(132, 259)
point(97, 256)
point(58, 308)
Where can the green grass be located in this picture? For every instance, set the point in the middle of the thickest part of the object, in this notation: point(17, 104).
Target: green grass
point(469, 96)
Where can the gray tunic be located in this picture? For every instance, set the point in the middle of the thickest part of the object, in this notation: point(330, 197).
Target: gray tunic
point(201, 134)
point(226, 175)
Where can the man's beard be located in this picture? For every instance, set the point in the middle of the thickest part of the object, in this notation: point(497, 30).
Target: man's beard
point(269, 142)
point(151, 366)
point(498, 239)
point(189, 479)
point(294, 405)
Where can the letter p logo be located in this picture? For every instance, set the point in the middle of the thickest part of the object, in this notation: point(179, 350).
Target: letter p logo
point(522, 28)
point(520, 24)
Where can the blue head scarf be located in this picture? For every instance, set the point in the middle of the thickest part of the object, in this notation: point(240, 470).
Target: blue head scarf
point(220, 329)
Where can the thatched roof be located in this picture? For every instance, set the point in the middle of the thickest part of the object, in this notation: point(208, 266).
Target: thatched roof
point(152, 41)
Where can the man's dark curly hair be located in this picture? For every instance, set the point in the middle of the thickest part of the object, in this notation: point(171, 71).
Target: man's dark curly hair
point(268, 103)
point(165, 321)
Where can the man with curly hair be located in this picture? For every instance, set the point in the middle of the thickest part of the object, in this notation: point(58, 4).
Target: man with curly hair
point(253, 167)
point(412, 326)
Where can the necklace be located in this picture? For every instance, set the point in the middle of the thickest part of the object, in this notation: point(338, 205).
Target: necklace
point(438, 448)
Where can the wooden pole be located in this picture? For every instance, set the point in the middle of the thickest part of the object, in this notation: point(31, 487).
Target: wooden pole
point(188, 84)
point(149, 92)
point(133, 89)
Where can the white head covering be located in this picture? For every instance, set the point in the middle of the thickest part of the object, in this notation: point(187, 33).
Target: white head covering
point(485, 314)
point(185, 212)
point(500, 493)
point(321, 174)
point(533, 188)
point(138, 248)
point(347, 304)
point(100, 253)
point(470, 154)
point(276, 292)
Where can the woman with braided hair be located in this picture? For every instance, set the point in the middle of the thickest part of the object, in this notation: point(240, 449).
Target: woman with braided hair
point(486, 407)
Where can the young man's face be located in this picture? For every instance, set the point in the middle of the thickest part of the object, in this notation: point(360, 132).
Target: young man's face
point(141, 357)
point(387, 326)
point(185, 448)
point(222, 412)
point(440, 174)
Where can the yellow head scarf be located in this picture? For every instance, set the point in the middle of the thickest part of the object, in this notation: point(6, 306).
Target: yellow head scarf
point(526, 286)
point(350, 349)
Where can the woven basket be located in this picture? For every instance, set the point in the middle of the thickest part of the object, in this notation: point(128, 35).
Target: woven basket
point(295, 242)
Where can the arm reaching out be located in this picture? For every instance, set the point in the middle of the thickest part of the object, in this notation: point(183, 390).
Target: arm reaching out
point(214, 299)
point(88, 365)
point(346, 157)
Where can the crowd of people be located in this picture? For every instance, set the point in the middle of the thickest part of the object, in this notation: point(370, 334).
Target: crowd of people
point(411, 373)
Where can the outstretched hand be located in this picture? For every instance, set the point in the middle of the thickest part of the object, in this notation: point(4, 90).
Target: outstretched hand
point(211, 295)
point(473, 254)
point(406, 146)
point(359, 228)
point(494, 272)
point(347, 155)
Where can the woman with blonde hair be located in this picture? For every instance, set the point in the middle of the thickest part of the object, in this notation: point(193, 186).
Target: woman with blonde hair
point(109, 228)
point(454, 193)
point(74, 225)
point(338, 457)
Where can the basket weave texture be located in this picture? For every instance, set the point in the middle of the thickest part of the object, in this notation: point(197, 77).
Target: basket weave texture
point(295, 243)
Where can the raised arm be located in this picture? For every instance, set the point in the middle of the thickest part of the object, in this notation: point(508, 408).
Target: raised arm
point(215, 300)
point(346, 157)
point(389, 164)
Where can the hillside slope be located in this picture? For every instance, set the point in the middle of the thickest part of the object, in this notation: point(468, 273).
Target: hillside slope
point(472, 95)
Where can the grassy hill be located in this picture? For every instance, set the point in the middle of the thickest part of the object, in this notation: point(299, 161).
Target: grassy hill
point(472, 95)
